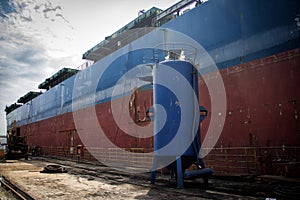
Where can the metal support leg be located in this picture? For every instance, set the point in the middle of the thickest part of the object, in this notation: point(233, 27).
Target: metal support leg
point(153, 172)
point(179, 173)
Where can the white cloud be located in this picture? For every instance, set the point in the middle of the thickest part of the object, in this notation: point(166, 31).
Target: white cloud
point(31, 48)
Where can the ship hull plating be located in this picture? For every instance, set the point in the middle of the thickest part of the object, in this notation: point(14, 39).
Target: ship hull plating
point(260, 135)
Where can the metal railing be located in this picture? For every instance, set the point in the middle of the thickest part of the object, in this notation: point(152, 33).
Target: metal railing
point(236, 160)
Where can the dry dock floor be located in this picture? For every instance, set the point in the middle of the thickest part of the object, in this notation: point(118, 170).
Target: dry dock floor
point(26, 175)
point(89, 181)
point(4, 195)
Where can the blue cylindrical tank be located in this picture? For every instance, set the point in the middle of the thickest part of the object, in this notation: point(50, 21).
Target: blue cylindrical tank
point(176, 109)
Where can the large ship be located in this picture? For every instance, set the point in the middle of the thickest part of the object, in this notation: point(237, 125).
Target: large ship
point(248, 60)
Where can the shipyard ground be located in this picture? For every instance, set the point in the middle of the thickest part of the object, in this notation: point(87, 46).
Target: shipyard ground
point(4, 195)
point(90, 181)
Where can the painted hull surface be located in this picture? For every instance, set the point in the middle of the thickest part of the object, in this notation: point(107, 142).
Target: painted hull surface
point(258, 57)
point(261, 130)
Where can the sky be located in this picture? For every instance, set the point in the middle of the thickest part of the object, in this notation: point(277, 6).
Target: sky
point(39, 37)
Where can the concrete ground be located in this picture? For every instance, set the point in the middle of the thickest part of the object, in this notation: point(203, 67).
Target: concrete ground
point(26, 175)
point(4, 195)
point(90, 181)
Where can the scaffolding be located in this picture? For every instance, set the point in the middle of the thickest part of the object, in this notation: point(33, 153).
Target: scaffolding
point(57, 78)
point(29, 96)
point(135, 29)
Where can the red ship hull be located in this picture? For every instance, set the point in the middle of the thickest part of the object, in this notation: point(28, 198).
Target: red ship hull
point(261, 133)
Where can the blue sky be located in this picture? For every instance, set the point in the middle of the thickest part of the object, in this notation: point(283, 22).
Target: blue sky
point(39, 37)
